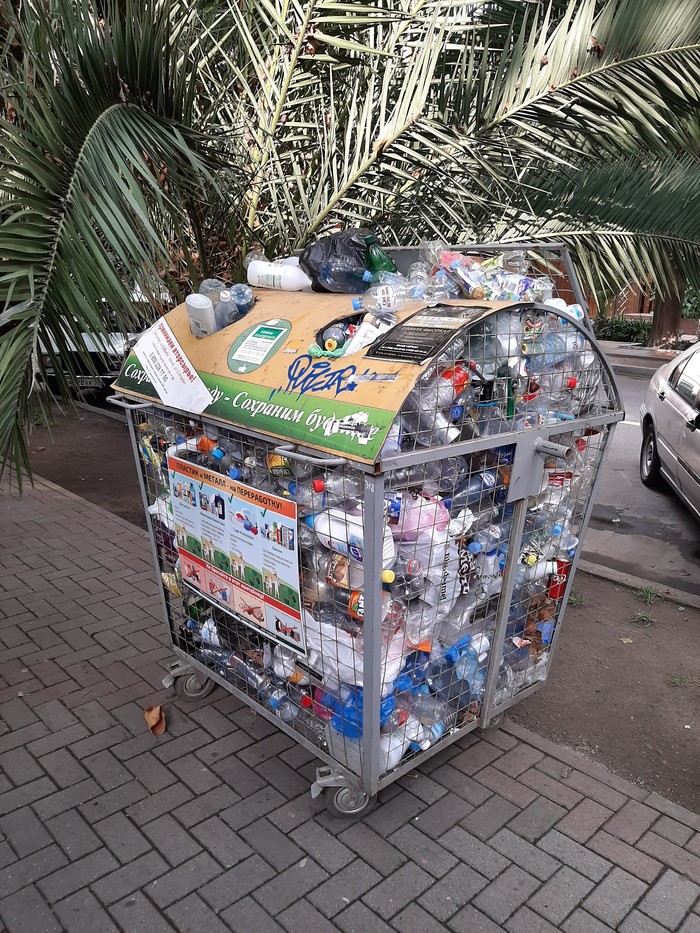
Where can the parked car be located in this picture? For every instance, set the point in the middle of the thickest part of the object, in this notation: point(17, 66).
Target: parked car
point(670, 422)
point(106, 352)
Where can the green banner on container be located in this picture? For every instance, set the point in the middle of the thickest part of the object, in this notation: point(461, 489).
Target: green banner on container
point(301, 417)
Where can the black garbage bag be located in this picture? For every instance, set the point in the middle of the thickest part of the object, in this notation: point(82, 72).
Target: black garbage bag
point(348, 245)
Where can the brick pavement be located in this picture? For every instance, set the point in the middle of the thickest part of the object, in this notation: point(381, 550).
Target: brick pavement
point(212, 828)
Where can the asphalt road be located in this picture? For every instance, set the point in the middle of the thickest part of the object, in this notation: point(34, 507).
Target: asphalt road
point(636, 530)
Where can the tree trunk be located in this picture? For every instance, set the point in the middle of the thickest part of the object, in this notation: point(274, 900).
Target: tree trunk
point(667, 314)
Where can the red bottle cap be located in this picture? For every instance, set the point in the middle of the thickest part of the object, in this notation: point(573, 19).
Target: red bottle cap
point(571, 382)
point(318, 485)
point(580, 443)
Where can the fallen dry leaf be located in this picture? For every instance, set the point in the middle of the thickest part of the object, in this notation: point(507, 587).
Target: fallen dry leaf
point(155, 719)
point(626, 641)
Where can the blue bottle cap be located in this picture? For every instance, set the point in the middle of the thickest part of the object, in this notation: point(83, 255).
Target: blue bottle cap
point(308, 520)
point(234, 473)
point(367, 276)
point(292, 489)
point(475, 547)
point(456, 412)
point(557, 531)
point(447, 503)
point(217, 454)
point(357, 304)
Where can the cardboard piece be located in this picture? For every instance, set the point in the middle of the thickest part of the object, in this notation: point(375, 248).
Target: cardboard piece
point(261, 376)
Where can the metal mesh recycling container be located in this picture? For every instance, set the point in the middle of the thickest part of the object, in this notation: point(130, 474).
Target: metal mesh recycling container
point(373, 551)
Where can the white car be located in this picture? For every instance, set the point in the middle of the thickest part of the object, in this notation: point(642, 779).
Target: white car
point(670, 422)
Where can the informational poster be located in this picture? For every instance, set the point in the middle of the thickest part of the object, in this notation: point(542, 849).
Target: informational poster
point(424, 334)
point(171, 373)
point(238, 548)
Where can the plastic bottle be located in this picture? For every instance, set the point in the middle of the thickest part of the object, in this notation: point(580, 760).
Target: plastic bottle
point(453, 475)
point(477, 491)
point(382, 299)
point(419, 272)
point(424, 417)
point(200, 311)
point(243, 297)
point(274, 275)
point(440, 287)
point(490, 537)
point(343, 572)
point(334, 337)
point(212, 289)
point(226, 311)
point(409, 586)
point(308, 495)
point(342, 484)
point(376, 260)
point(342, 275)
point(255, 255)
point(343, 531)
point(277, 700)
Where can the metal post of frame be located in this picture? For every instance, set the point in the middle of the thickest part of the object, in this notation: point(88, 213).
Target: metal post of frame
point(372, 650)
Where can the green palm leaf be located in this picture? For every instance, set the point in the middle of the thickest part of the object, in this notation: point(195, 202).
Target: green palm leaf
point(81, 225)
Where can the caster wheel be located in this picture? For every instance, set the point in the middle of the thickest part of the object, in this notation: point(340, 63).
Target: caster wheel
point(194, 686)
point(348, 802)
point(496, 723)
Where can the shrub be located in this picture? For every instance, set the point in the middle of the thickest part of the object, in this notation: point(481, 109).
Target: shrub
point(619, 327)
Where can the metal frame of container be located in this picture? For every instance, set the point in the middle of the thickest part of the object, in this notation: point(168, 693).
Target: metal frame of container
point(528, 468)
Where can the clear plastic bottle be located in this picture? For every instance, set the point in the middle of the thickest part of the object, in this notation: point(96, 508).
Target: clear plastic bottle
point(342, 484)
point(212, 289)
point(308, 494)
point(440, 287)
point(226, 311)
point(343, 275)
point(424, 417)
point(341, 571)
point(254, 255)
point(479, 490)
point(383, 299)
point(278, 701)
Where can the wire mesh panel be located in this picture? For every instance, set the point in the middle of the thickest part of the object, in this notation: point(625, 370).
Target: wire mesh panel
point(264, 556)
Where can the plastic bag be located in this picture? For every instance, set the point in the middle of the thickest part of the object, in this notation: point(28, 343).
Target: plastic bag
point(348, 244)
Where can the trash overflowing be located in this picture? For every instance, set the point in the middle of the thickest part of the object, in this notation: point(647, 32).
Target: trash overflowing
point(422, 574)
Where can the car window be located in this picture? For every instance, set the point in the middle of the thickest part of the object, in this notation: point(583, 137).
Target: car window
point(688, 382)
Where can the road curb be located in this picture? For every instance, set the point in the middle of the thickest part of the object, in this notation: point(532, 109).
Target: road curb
point(637, 583)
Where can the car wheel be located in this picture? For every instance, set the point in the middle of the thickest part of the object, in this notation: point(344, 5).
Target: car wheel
point(649, 463)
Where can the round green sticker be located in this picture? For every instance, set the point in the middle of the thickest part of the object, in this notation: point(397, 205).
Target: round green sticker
point(256, 345)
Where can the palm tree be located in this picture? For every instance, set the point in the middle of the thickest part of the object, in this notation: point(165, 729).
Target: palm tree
point(137, 128)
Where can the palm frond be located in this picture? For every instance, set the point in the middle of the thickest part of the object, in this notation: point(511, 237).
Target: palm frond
point(98, 162)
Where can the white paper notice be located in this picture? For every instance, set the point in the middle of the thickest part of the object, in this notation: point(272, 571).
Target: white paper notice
point(173, 376)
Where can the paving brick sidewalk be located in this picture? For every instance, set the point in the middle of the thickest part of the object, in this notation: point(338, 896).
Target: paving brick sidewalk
point(212, 828)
